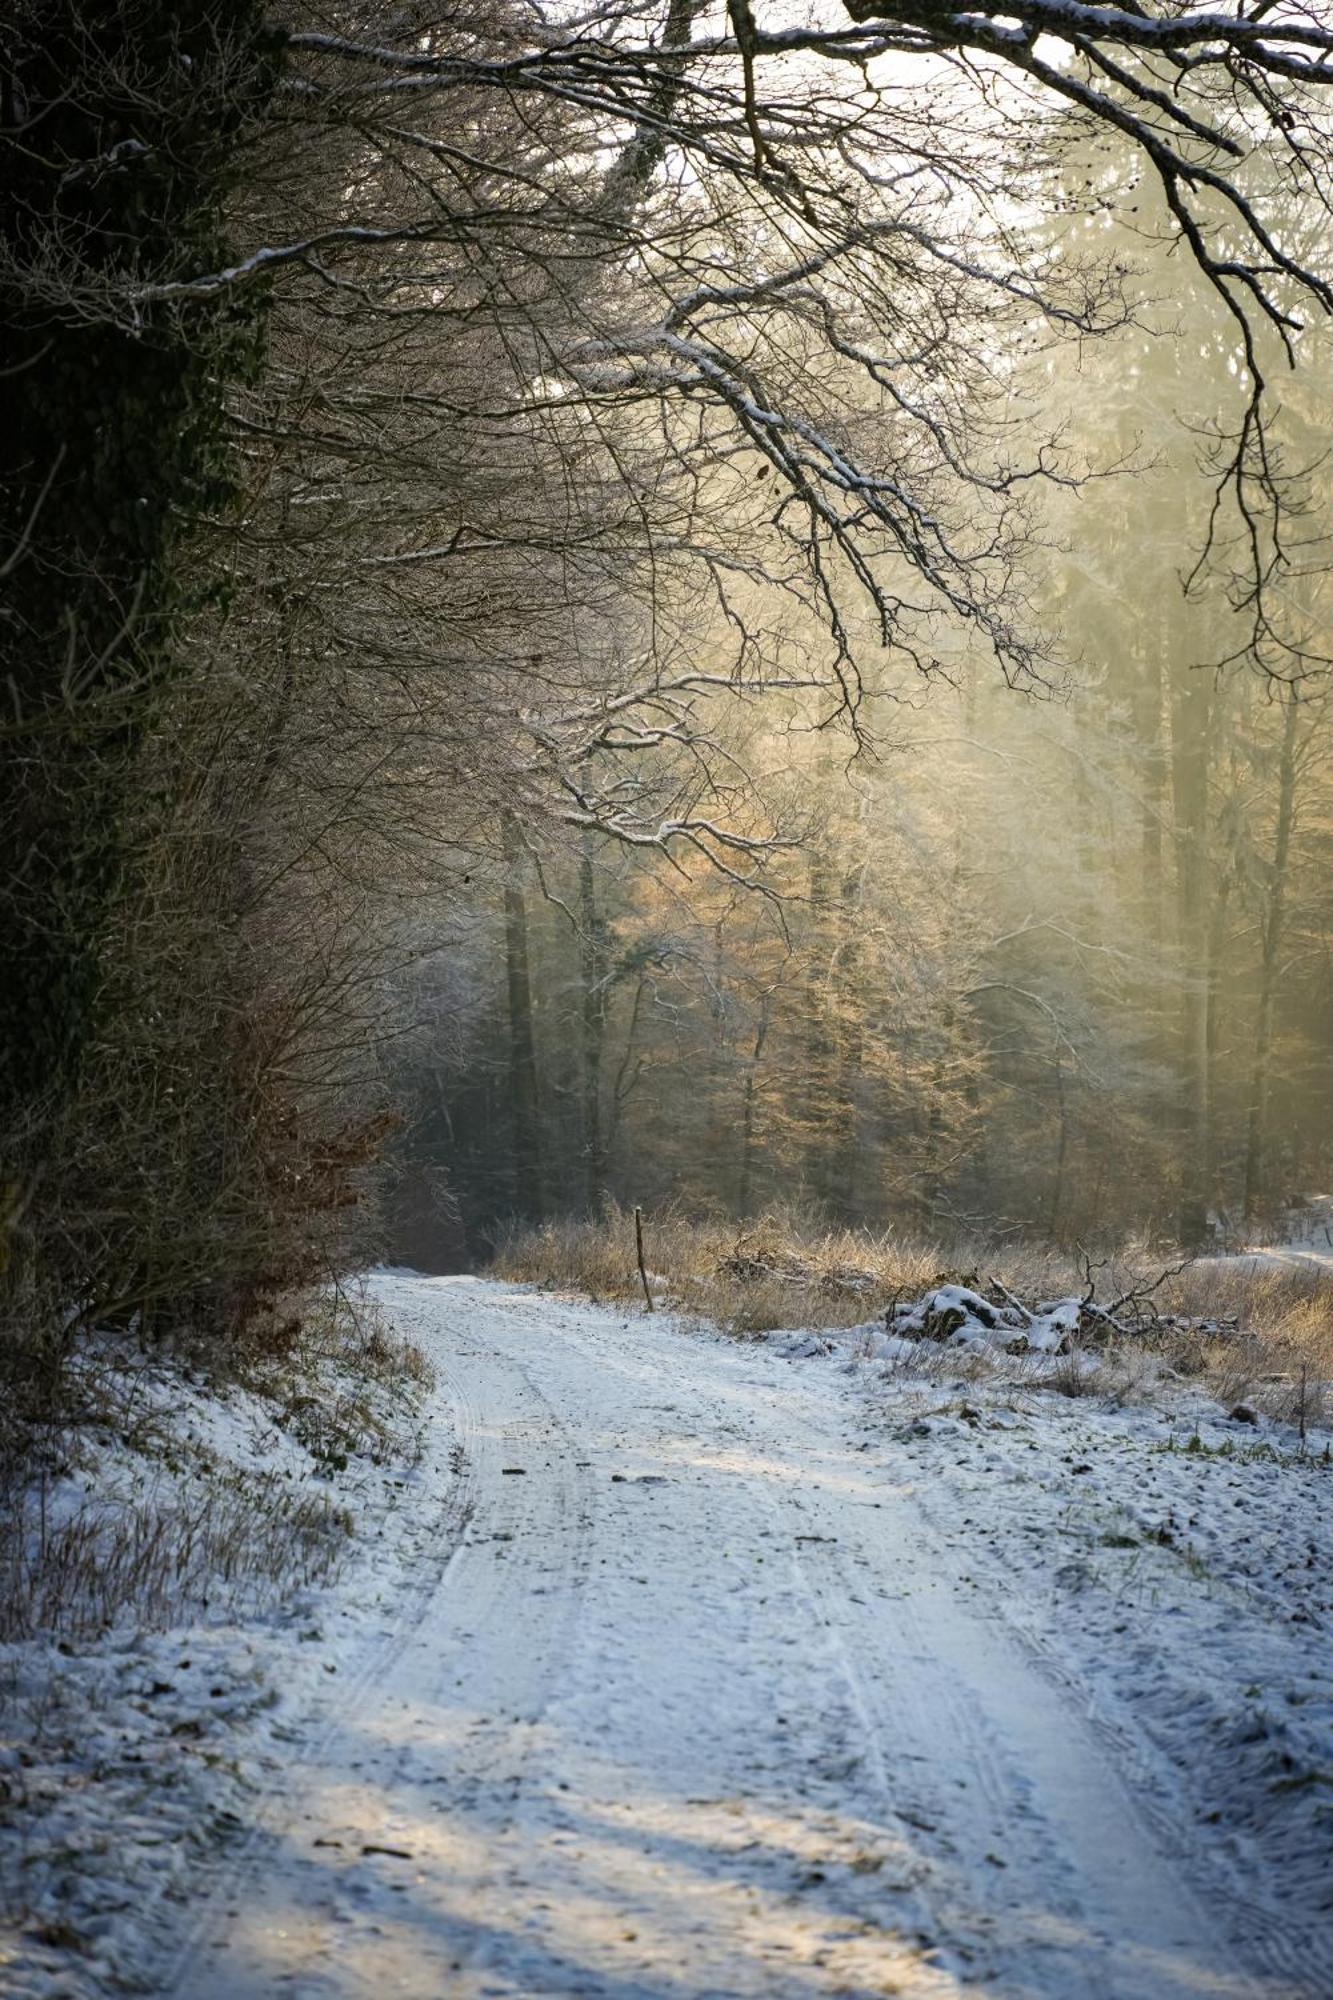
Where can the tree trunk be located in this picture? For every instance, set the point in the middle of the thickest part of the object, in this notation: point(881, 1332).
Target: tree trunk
point(847, 1000)
point(524, 1102)
point(819, 1050)
point(1148, 729)
point(1061, 1154)
point(745, 1188)
point(1191, 716)
point(1263, 1034)
point(592, 1024)
point(1217, 960)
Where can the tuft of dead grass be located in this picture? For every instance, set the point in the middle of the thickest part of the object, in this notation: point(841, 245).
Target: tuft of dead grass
point(341, 1382)
point(229, 1548)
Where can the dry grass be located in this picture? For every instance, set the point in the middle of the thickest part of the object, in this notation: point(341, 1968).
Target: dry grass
point(838, 1277)
point(332, 1375)
point(696, 1261)
point(339, 1379)
point(779, 1271)
point(231, 1548)
point(1280, 1362)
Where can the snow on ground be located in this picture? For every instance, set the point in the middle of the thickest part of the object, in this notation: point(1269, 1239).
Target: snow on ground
point(1172, 1559)
point(685, 1668)
point(1185, 1582)
point(1306, 1240)
point(132, 1760)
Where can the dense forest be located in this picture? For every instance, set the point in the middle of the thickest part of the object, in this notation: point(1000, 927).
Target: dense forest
point(666, 988)
point(657, 603)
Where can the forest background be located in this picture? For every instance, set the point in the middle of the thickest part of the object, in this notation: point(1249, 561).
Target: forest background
point(652, 606)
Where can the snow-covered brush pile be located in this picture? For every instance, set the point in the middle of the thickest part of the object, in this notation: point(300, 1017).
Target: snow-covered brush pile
point(958, 1307)
point(966, 1317)
point(991, 1321)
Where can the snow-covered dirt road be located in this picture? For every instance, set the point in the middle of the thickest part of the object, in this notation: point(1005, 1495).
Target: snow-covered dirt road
point(702, 1707)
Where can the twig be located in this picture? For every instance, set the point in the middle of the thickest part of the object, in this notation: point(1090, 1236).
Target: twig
point(1017, 1304)
point(1132, 1297)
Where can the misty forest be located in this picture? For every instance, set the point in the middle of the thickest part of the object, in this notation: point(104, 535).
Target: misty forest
point(712, 608)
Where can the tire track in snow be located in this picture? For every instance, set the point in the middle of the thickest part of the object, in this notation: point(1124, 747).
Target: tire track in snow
point(314, 1736)
point(697, 1712)
point(353, 1777)
point(1114, 1916)
point(1291, 1960)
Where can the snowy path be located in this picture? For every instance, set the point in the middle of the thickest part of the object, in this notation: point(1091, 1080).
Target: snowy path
point(702, 1708)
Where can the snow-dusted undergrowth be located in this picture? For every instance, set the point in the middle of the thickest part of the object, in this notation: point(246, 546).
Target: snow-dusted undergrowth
point(186, 1574)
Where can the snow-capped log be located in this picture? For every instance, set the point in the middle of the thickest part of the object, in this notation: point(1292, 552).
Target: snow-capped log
point(966, 1318)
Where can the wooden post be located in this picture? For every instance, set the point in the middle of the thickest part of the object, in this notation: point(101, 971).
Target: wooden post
point(638, 1244)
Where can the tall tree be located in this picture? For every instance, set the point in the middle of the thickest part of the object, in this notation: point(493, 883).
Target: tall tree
point(121, 133)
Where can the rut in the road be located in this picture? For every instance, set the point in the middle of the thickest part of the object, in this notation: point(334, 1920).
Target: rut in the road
point(700, 1707)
